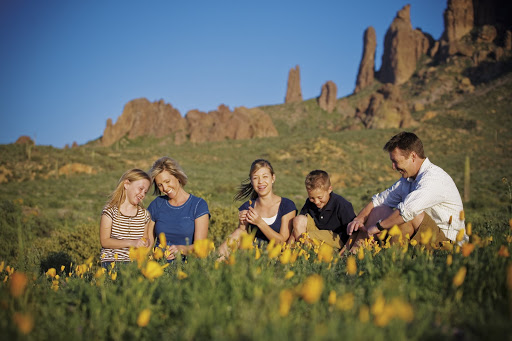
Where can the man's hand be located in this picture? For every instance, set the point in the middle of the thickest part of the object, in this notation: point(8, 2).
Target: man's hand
point(355, 225)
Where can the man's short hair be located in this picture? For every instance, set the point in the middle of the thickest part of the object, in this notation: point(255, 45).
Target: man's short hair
point(317, 179)
point(407, 142)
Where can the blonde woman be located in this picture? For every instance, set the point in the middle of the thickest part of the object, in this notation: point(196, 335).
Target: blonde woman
point(181, 216)
point(124, 221)
point(266, 214)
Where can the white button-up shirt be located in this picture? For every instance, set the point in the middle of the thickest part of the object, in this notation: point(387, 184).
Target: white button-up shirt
point(433, 192)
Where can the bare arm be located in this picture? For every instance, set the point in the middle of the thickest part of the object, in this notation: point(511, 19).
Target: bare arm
point(200, 232)
point(113, 243)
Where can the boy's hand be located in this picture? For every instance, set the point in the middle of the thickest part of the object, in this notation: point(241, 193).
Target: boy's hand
point(354, 225)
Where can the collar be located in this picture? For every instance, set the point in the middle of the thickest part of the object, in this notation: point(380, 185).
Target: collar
point(424, 166)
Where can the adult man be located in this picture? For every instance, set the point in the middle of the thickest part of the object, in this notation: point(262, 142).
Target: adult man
point(424, 198)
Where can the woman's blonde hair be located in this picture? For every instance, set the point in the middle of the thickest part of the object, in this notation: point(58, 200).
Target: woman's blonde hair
point(245, 190)
point(118, 196)
point(170, 165)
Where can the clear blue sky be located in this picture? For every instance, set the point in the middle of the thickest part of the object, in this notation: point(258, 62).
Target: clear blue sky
point(66, 66)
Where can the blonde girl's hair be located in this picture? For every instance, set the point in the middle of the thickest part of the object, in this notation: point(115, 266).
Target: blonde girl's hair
point(170, 165)
point(245, 190)
point(118, 196)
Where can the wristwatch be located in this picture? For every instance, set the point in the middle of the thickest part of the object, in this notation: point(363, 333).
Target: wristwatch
point(379, 226)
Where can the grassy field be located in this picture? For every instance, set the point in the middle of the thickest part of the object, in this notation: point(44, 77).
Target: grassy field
point(49, 218)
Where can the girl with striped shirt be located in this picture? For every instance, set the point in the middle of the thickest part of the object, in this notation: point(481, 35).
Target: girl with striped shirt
point(124, 222)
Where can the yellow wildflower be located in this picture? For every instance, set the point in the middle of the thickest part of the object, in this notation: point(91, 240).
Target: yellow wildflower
point(382, 235)
point(289, 275)
point(311, 289)
point(294, 256)
point(247, 242)
point(274, 251)
point(450, 220)
point(286, 298)
point(425, 237)
point(402, 310)
point(286, 256)
point(24, 322)
point(162, 240)
point(257, 253)
point(345, 302)
point(113, 276)
point(351, 265)
point(325, 253)
point(460, 235)
point(449, 260)
point(9, 269)
point(18, 283)
point(231, 259)
point(332, 297)
point(2, 264)
point(139, 254)
point(62, 267)
point(469, 229)
point(461, 215)
point(364, 314)
point(51, 272)
point(414, 242)
point(459, 277)
point(153, 270)
point(182, 275)
point(395, 231)
point(467, 248)
point(100, 272)
point(143, 318)
point(360, 253)
point(55, 285)
point(157, 253)
point(203, 247)
point(503, 252)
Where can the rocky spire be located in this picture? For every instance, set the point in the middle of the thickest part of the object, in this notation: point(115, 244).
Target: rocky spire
point(458, 19)
point(293, 92)
point(403, 47)
point(327, 99)
point(366, 72)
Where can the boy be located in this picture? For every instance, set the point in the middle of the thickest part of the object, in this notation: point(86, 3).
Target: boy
point(325, 215)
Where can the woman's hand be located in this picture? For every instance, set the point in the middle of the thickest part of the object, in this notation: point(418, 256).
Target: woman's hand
point(242, 217)
point(253, 217)
point(172, 252)
point(143, 242)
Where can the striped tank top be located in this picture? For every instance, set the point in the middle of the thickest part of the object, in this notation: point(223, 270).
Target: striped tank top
point(124, 227)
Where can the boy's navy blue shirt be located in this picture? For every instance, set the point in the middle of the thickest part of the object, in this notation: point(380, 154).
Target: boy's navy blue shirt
point(334, 216)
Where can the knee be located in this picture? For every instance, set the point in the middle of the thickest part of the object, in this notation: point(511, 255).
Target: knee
point(299, 225)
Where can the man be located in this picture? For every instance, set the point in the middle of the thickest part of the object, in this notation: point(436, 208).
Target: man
point(424, 198)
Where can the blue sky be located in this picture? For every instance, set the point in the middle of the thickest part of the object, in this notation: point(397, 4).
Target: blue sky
point(67, 66)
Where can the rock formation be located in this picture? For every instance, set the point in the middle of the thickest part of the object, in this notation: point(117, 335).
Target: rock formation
point(366, 73)
point(385, 109)
point(223, 124)
point(458, 19)
point(24, 140)
point(403, 47)
point(327, 99)
point(293, 92)
point(143, 118)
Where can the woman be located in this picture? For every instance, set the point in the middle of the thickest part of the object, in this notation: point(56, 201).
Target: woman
point(269, 214)
point(181, 216)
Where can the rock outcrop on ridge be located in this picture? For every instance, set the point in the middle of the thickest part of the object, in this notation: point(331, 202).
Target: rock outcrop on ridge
point(293, 90)
point(327, 99)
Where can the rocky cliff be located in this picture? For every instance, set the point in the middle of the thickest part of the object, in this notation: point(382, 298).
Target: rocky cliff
point(141, 117)
point(293, 90)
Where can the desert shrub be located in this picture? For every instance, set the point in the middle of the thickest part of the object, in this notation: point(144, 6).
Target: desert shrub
point(56, 260)
point(223, 221)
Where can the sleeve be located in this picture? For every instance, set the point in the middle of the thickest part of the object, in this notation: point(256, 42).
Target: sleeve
point(108, 212)
point(147, 217)
point(201, 208)
point(304, 210)
point(429, 192)
point(289, 206)
point(244, 206)
point(390, 197)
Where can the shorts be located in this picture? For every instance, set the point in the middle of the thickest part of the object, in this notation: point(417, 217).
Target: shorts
point(327, 236)
point(438, 237)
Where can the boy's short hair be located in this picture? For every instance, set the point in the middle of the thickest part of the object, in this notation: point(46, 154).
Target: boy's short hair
point(317, 179)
